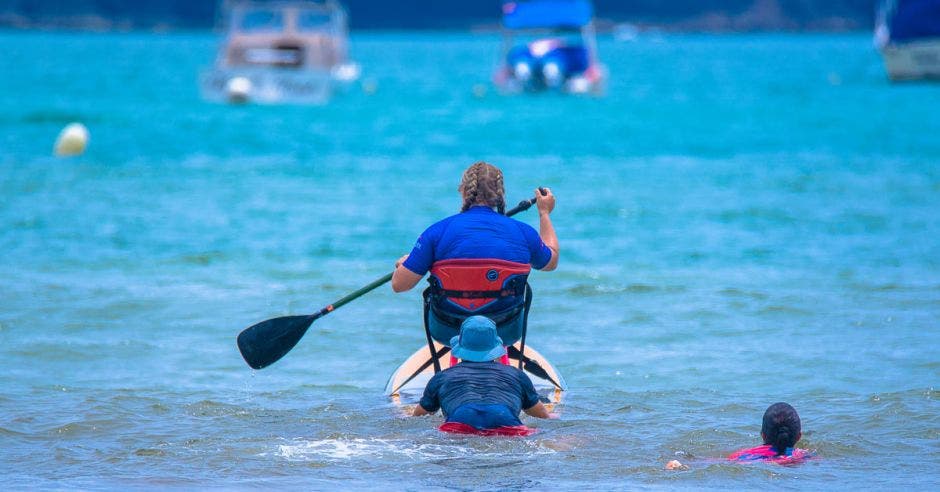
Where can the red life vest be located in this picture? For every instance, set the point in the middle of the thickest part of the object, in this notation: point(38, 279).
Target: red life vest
point(475, 283)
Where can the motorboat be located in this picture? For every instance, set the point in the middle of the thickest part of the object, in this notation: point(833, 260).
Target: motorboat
point(907, 33)
point(280, 52)
point(549, 45)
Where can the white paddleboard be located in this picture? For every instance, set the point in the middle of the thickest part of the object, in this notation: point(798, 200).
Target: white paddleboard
point(406, 385)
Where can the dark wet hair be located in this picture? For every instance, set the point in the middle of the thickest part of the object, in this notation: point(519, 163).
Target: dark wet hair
point(781, 427)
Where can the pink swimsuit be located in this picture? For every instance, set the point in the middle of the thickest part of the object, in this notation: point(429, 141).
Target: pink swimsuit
point(461, 428)
point(767, 453)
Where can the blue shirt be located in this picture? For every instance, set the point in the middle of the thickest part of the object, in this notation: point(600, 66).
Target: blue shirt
point(480, 232)
point(480, 383)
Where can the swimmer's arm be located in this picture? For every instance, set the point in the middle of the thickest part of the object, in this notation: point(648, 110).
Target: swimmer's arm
point(404, 279)
point(538, 410)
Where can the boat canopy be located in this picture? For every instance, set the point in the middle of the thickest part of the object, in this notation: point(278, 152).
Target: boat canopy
point(910, 20)
point(554, 14)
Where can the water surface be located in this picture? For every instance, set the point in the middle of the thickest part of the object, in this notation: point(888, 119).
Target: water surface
point(743, 219)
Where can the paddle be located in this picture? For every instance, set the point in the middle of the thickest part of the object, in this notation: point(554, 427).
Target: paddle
point(266, 342)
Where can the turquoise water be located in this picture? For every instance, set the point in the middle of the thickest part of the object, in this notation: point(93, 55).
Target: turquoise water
point(743, 220)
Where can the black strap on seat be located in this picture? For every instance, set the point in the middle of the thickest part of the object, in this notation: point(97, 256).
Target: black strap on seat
point(478, 294)
point(427, 331)
point(516, 286)
point(525, 322)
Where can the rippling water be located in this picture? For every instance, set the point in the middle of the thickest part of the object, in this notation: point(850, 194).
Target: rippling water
point(744, 219)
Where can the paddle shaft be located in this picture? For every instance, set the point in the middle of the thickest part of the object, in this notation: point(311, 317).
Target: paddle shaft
point(523, 206)
point(352, 296)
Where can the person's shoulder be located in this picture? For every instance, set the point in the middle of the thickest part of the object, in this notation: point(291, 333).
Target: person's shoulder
point(523, 226)
point(511, 369)
point(440, 376)
point(441, 224)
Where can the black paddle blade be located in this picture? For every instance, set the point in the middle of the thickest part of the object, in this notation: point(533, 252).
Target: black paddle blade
point(264, 343)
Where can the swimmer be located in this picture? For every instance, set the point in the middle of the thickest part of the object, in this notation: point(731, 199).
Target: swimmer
point(781, 430)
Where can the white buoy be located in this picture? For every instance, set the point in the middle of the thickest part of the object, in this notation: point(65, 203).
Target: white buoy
point(72, 140)
point(238, 89)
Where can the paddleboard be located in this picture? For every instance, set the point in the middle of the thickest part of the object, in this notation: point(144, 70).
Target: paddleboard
point(406, 384)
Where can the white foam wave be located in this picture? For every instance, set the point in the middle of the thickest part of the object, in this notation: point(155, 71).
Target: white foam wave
point(353, 448)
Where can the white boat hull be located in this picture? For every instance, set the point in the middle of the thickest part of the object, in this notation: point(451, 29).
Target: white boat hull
point(914, 60)
point(269, 86)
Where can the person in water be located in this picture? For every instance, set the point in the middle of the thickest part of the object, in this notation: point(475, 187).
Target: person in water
point(479, 259)
point(780, 430)
point(480, 395)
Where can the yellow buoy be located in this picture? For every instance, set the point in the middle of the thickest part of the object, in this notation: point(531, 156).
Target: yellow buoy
point(72, 140)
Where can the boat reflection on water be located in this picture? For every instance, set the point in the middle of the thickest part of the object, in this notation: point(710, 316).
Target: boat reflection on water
point(280, 52)
point(908, 34)
point(549, 45)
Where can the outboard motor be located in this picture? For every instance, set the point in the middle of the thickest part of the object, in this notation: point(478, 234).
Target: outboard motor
point(521, 63)
point(563, 62)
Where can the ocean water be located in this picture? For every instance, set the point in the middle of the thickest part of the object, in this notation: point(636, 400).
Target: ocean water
point(743, 219)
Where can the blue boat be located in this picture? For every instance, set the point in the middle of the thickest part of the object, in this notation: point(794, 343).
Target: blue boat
point(908, 34)
point(549, 45)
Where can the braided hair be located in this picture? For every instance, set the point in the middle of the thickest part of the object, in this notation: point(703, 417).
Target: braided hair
point(781, 427)
point(482, 184)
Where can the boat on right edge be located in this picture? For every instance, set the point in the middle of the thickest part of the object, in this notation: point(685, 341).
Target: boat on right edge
point(907, 32)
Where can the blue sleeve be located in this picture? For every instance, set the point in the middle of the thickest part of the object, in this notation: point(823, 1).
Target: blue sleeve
point(540, 253)
point(431, 399)
point(529, 396)
point(422, 255)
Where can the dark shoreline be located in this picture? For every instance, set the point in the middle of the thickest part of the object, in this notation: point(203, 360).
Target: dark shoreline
point(483, 15)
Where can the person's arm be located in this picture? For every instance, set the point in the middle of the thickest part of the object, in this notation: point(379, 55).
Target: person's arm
point(545, 204)
point(530, 398)
point(430, 401)
point(537, 410)
point(404, 279)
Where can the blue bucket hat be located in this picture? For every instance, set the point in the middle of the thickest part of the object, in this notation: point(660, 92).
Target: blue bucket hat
point(478, 341)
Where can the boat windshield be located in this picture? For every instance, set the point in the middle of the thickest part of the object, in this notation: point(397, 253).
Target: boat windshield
point(261, 20)
point(311, 21)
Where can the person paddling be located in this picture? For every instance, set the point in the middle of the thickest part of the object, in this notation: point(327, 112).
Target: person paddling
point(479, 260)
point(781, 429)
point(480, 395)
